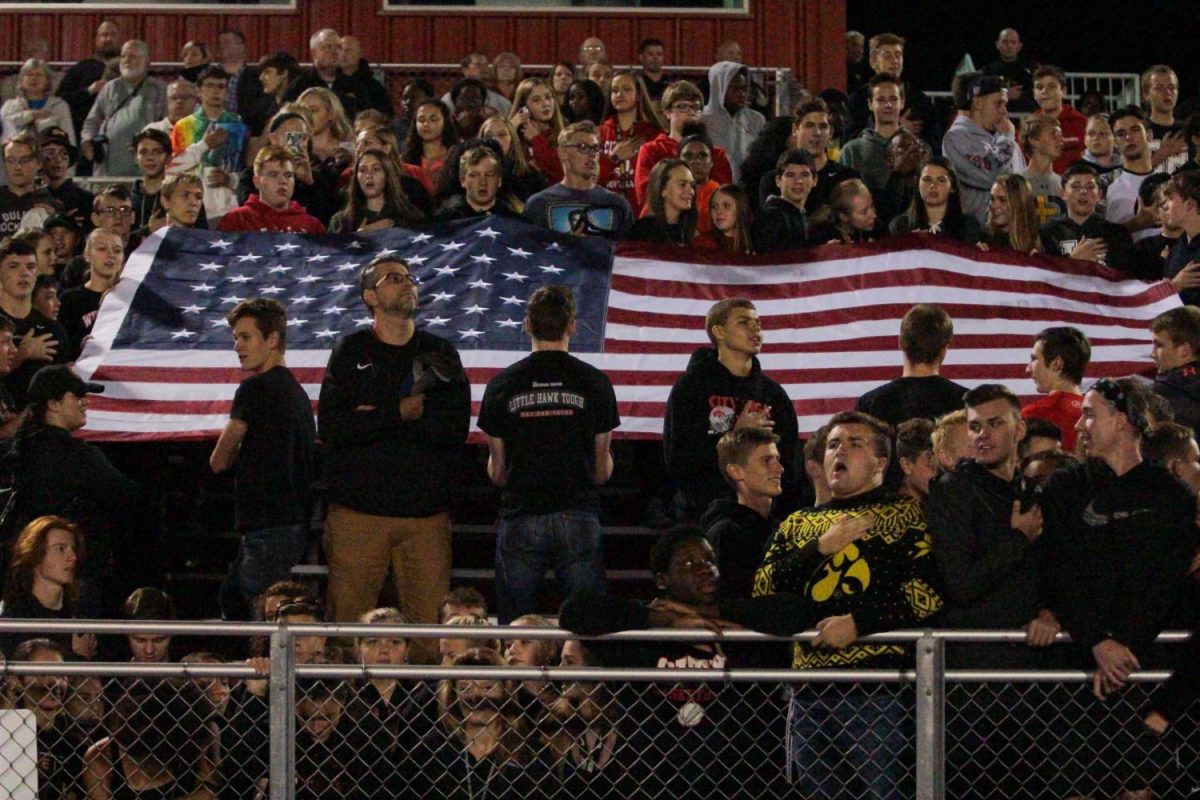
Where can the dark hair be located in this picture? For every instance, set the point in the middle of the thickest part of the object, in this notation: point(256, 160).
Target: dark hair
point(214, 72)
point(413, 146)
point(913, 437)
point(987, 392)
point(918, 216)
point(11, 246)
point(462, 596)
point(1079, 168)
point(366, 276)
point(41, 282)
point(154, 135)
point(1182, 324)
point(814, 445)
point(796, 156)
point(268, 314)
point(1051, 71)
point(1069, 344)
point(597, 102)
point(550, 311)
point(718, 313)
point(735, 447)
point(396, 204)
point(654, 200)
point(881, 432)
point(881, 78)
point(463, 84)
point(1126, 111)
point(664, 546)
point(1058, 459)
point(1163, 442)
point(1039, 426)
point(116, 191)
point(813, 105)
point(281, 61)
point(27, 649)
point(148, 603)
point(1185, 185)
point(741, 241)
point(925, 331)
point(650, 42)
point(301, 606)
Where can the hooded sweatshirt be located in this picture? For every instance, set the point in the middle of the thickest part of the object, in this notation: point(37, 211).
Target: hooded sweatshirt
point(704, 404)
point(1180, 387)
point(739, 535)
point(979, 157)
point(868, 154)
point(733, 132)
point(256, 215)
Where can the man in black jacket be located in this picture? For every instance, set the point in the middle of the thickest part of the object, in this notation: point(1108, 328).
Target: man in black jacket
point(326, 73)
point(783, 224)
point(394, 410)
point(358, 68)
point(1081, 232)
point(1176, 354)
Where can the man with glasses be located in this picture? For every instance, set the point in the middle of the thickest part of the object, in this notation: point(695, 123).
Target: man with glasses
point(58, 156)
point(122, 108)
point(394, 412)
point(182, 97)
point(682, 104)
point(577, 204)
point(23, 204)
point(112, 208)
point(272, 208)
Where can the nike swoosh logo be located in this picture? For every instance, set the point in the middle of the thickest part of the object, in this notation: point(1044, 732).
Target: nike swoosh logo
point(364, 366)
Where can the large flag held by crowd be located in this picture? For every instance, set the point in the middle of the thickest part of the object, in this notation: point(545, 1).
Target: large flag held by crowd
point(830, 315)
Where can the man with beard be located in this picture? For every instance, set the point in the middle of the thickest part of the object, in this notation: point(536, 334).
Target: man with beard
point(83, 82)
point(123, 107)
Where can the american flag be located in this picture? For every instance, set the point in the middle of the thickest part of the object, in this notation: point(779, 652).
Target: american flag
point(831, 316)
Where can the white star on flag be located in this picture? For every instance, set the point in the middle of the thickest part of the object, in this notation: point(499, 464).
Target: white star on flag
point(278, 268)
point(325, 334)
point(341, 287)
point(232, 300)
point(183, 334)
point(447, 271)
point(479, 284)
point(508, 323)
point(333, 310)
point(249, 257)
point(516, 301)
point(317, 258)
point(283, 248)
point(302, 300)
point(241, 279)
point(296, 323)
point(202, 287)
point(308, 279)
point(515, 276)
point(488, 232)
point(436, 321)
point(192, 309)
point(361, 321)
point(439, 297)
point(416, 261)
point(211, 266)
point(387, 251)
point(484, 259)
point(345, 265)
point(421, 237)
point(553, 270)
point(220, 244)
point(471, 333)
point(518, 252)
point(448, 246)
point(474, 309)
point(271, 290)
point(219, 323)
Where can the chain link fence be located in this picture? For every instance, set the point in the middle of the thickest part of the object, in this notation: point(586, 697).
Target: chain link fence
point(334, 728)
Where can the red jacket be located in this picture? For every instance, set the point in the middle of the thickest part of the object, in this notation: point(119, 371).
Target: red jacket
point(663, 146)
point(256, 215)
point(1074, 126)
point(621, 181)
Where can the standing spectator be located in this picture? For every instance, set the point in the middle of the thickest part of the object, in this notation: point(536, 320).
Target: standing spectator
point(696, 151)
point(729, 216)
point(1050, 90)
point(980, 144)
point(316, 182)
point(1056, 363)
point(331, 136)
point(729, 122)
point(211, 143)
point(783, 223)
point(123, 107)
point(585, 101)
point(58, 158)
point(522, 178)
point(1181, 211)
point(925, 336)
point(112, 207)
point(723, 389)
point(195, 59)
point(813, 131)
point(937, 208)
point(245, 91)
point(1169, 144)
point(1015, 68)
point(271, 440)
point(182, 97)
point(354, 64)
point(1176, 354)
point(903, 159)
point(950, 441)
point(376, 199)
point(392, 445)
point(857, 70)
point(42, 580)
point(34, 109)
point(275, 73)
point(431, 134)
point(104, 254)
point(591, 50)
point(506, 67)
point(325, 47)
point(867, 154)
point(40, 341)
point(83, 82)
point(10, 414)
point(577, 204)
point(682, 104)
point(885, 54)
point(475, 66)
point(481, 176)
point(537, 117)
point(1042, 140)
point(273, 208)
point(38, 49)
point(23, 204)
point(43, 245)
point(59, 749)
point(66, 236)
point(151, 150)
point(548, 450)
point(1101, 149)
point(652, 56)
point(1083, 233)
point(1012, 218)
point(670, 213)
point(466, 105)
point(600, 72)
point(1121, 185)
point(914, 456)
point(181, 202)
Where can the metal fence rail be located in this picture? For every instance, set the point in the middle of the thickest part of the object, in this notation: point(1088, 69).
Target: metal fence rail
point(327, 728)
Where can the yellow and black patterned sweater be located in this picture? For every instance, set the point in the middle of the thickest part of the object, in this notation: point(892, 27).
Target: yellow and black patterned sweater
point(887, 579)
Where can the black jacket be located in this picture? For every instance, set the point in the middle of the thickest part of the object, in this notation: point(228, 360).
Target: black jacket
point(349, 91)
point(1180, 387)
point(376, 94)
point(1183, 252)
point(703, 405)
point(1060, 235)
point(456, 207)
point(739, 535)
point(780, 226)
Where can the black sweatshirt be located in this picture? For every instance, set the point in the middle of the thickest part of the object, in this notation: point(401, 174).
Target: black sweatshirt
point(377, 463)
point(1060, 235)
point(738, 535)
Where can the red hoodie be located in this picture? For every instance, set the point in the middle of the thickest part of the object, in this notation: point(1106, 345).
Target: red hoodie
point(1074, 127)
point(256, 216)
point(663, 146)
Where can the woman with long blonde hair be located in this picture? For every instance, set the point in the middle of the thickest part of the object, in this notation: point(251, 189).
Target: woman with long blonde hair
point(1012, 220)
point(332, 135)
point(537, 118)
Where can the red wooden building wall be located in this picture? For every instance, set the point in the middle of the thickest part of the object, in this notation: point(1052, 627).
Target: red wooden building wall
point(806, 35)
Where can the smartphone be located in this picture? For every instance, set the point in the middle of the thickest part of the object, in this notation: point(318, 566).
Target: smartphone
point(294, 141)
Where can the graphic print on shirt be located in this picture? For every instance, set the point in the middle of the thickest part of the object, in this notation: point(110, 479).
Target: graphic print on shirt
point(723, 412)
point(546, 400)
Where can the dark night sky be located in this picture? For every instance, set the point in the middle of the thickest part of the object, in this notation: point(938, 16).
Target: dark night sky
point(1077, 36)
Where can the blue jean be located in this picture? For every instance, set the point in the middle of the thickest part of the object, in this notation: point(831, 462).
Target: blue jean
point(842, 735)
point(526, 546)
point(266, 556)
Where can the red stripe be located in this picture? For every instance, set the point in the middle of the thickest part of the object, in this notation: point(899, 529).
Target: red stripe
point(186, 373)
point(862, 345)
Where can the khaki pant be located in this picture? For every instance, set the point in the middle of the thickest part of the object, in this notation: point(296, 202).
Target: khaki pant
point(361, 548)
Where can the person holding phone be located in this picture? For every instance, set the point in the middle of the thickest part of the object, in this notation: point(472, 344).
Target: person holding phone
point(210, 142)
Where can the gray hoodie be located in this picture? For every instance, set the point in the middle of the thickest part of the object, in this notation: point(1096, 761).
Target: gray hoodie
point(732, 132)
point(867, 153)
point(979, 157)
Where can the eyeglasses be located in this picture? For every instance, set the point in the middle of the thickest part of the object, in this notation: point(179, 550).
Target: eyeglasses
point(115, 212)
point(585, 149)
point(24, 161)
point(686, 107)
point(398, 278)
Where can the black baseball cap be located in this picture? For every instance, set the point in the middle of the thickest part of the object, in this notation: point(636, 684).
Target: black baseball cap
point(56, 135)
point(52, 382)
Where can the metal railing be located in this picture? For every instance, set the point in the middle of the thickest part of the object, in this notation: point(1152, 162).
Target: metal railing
point(1117, 88)
point(656, 732)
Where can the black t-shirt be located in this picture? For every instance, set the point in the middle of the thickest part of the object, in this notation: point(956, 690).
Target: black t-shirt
point(36, 324)
point(13, 207)
point(1157, 132)
point(656, 88)
point(78, 314)
point(910, 398)
point(548, 409)
point(275, 463)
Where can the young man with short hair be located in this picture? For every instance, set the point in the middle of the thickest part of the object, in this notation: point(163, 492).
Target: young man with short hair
point(682, 105)
point(981, 142)
point(652, 55)
point(23, 204)
point(885, 54)
point(210, 143)
point(1169, 145)
point(723, 389)
point(812, 131)
point(181, 200)
point(925, 335)
point(105, 255)
point(10, 414)
point(152, 151)
point(868, 152)
point(914, 454)
point(1050, 91)
point(482, 179)
point(549, 420)
point(1176, 354)
point(739, 529)
point(728, 119)
point(577, 204)
point(1120, 187)
point(58, 157)
point(272, 208)
point(40, 341)
point(1082, 232)
point(1042, 139)
point(1056, 363)
point(783, 224)
point(271, 440)
point(1181, 210)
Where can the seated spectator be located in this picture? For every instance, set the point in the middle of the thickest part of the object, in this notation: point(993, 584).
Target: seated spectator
point(729, 215)
point(1049, 92)
point(537, 118)
point(521, 177)
point(112, 208)
point(783, 222)
point(560, 79)
point(42, 341)
point(149, 604)
point(462, 601)
point(981, 144)
point(1176, 354)
point(415, 92)
point(123, 107)
point(632, 121)
point(45, 302)
point(23, 203)
point(849, 218)
point(670, 214)
point(950, 441)
point(1056, 363)
point(338, 755)
point(59, 748)
point(32, 48)
point(431, 134)
point(1012, 218)
point(914, 454)
point(682, 104)
point(926, 333)
point(576, 204)
point(475, 66)
point(58, 160)
point(181, 203)
point(867, 153)
point(467, 106)
point(583, 734)
point(182, 97)
point(376, 199)
point(35, 108)
point(1121, 186)
point(1040, 436)
point(599, 72)
point(696, 150)
point(730, 122)
point(212, 143)
point(585, 101)
point(905, 156)
point(325, 47)
point(105, 257)
point(85, 708)
point(535, 696)
point(65, 233)
point(937, 208)
point(1181, 210)
point(1042, 140)
point(1169, 145)
point(383, 138)
point(10, 415)
point(481, 176)
point(194, 57)
point(758, 168)
point(151, 151)
point(452, 647)
point(1101, 151)
point(507, 74)
point(485, 737)
point(42, 580)
point(275, 73)
point(331, 137)
point(215, 690)
point(273, 208)
point(375, 94)
point(42, 243)
point(1082, 232)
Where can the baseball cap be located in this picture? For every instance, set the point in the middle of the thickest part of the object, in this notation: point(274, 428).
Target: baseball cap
point(60, 221)
point(52, 382)
point(56, 135)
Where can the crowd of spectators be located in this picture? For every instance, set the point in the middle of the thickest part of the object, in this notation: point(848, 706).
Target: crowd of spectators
point(926, 505)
